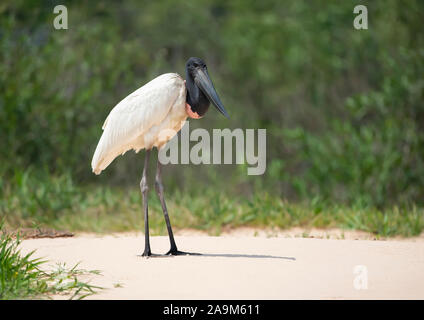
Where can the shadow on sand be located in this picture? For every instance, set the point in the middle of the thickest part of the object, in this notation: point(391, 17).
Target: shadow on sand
point(236, 255)
point(224, 255)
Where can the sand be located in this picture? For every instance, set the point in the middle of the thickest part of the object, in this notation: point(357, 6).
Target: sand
point(243, 266)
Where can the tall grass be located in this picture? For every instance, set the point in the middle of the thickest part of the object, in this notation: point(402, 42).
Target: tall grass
point(22, 277)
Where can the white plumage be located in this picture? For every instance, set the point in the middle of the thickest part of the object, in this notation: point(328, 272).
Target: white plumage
point(147, 118)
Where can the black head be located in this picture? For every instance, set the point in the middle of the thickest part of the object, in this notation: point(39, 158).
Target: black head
point(200, 90)
point(193, 63)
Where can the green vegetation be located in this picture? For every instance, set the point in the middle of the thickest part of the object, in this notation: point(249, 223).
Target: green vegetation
point(58, 203)
point(22, 277)
point(343, 109)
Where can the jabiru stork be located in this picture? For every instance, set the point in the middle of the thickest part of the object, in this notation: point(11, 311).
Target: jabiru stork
point(137, 122)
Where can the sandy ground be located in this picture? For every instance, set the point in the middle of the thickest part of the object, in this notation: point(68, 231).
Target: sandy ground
point(246, 264)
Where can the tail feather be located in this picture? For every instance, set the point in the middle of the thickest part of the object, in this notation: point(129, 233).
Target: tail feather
point(103, 156)
point(105, 153)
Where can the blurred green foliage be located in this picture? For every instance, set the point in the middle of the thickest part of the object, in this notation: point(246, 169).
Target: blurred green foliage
point(343, 108)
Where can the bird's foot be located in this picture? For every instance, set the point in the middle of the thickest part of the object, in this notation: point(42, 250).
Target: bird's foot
point(147, 252)
point(175, 252)
point(150, 255)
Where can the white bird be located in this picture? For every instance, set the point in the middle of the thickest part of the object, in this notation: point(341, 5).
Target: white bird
point(149, 117)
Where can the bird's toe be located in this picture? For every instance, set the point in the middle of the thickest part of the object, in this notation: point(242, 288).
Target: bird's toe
point(175, 252)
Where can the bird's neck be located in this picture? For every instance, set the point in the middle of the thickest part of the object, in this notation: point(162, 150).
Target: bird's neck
point(197, 101)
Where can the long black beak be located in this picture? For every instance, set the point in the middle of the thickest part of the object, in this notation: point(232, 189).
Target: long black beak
point(204, 82)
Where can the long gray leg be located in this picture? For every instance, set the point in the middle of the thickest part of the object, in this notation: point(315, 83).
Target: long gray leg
point(159, 190)
point(144, 191)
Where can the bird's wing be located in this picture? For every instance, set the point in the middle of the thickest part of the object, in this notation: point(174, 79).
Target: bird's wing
point(133, 116)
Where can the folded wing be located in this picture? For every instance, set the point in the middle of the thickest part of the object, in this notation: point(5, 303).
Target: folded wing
point(131, 118)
